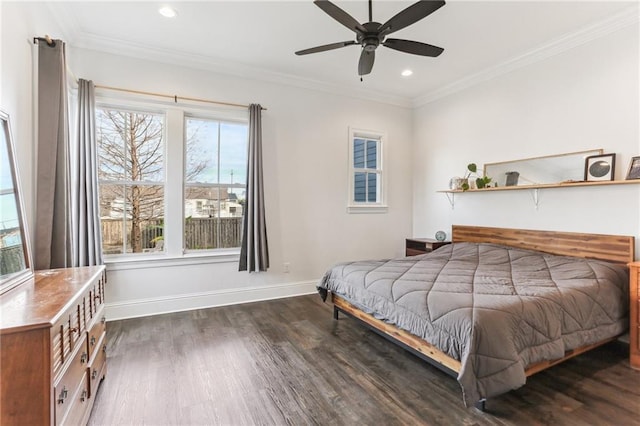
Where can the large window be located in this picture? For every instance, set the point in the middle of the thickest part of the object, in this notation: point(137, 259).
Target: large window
point(131, 179)
point(366, 175)
point(215, 176)
point(171, 179)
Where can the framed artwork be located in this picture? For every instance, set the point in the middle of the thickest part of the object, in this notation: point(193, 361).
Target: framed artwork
point(600, 167)
point(634, 169)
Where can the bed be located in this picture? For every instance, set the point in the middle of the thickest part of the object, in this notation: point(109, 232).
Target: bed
point(495, 306)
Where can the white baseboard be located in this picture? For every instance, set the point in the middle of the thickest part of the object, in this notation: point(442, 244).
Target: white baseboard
point(186, 302)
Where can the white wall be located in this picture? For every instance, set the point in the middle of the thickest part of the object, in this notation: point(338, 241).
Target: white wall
point(305, 141)
point(583, 98)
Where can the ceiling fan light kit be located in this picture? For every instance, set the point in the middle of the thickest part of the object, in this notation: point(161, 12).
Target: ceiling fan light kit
point(370, 35)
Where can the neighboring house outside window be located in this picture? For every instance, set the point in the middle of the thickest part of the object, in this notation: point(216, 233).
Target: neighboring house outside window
point(366, 179)
point(215, 179)
point(131, 178)
point(151, 157)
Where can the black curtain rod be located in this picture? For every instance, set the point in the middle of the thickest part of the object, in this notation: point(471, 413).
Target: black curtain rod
point(46, 38)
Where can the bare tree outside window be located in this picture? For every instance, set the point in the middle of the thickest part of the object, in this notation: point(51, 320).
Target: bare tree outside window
point(131, 146)
point(131, 174)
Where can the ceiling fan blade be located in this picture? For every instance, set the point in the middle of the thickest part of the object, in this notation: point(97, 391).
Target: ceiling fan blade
point(326, 47)
point(414, 47)
point(365, 65)
point(410, 15)
point(340, 15)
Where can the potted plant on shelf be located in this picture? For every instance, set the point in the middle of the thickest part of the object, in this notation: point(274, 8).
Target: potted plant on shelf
point(480, 181)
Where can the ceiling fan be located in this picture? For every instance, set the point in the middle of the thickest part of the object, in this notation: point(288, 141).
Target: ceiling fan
point(372, 34)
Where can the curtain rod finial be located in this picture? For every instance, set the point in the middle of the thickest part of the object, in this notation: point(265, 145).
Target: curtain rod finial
point(47, 38)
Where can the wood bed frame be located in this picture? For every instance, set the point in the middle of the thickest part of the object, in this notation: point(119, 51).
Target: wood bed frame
point(613, 248)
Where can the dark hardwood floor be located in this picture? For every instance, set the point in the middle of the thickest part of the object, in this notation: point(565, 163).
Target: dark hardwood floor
point(288, 362)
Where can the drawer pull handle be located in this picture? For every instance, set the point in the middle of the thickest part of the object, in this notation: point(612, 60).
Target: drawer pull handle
point(104, 348)
point(96, 297)
point(63, 395)
point(83, 396)
point(93, 340)
point(83, 358)
point(103, 320)
point(94, 374)
point(74, 329)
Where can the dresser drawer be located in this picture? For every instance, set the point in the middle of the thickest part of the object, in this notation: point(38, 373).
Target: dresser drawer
point(98, 365)
point(67, 386)
point(96, 332)
point(77, 409)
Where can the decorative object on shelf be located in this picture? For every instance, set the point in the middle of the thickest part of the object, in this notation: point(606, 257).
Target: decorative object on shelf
point(634, 169)
point(478, 183)
point(512, 178)
point(600, 167)
point(455, 183)
point(441, 236)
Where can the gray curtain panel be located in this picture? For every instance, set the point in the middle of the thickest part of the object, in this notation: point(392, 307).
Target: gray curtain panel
point(52, 238)
point(254, 254)
point(85, 204)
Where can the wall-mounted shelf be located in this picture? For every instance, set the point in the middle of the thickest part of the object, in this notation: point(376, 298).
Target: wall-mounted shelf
point(535, 188)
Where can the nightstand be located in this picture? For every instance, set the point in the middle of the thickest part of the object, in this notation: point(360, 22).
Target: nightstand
point(416, 246)
point(634, 313)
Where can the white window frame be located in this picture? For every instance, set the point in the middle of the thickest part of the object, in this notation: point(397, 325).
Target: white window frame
point(174, 158)
point(142, 109)
point(380, 205)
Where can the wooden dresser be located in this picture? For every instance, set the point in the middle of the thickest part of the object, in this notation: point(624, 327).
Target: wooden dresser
point(634, 315)
point(53, 340)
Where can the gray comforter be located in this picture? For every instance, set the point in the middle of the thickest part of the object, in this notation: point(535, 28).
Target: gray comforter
point(494, 308)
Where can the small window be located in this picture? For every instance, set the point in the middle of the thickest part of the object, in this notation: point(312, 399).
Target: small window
point(366, 174)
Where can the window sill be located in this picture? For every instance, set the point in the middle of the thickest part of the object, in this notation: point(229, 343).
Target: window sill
point(367, 209)
point(143, 261)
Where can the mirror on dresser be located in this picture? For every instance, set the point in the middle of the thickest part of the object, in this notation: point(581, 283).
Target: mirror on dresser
point(15, 261)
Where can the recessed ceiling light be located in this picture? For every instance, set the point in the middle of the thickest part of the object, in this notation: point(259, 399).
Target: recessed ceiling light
point(167, 12)
point(407, 73)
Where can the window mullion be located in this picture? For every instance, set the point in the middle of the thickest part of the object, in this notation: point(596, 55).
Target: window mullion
point(174, 176)
point(218, 225)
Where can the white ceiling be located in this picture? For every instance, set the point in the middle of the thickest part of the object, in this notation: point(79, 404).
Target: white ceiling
point(259, 38)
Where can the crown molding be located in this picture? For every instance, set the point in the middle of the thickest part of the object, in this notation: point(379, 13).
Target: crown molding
point(79, 39)
point(623, 19)
point(206, 63)
point(76, 38)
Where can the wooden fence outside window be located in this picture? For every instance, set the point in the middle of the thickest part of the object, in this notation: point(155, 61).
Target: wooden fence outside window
point(200, 233)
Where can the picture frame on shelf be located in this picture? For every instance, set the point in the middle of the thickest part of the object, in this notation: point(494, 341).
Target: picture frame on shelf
point(600, 167)
point(634, 168)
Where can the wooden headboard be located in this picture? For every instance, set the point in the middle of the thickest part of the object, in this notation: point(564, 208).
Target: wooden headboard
point(612, 248)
